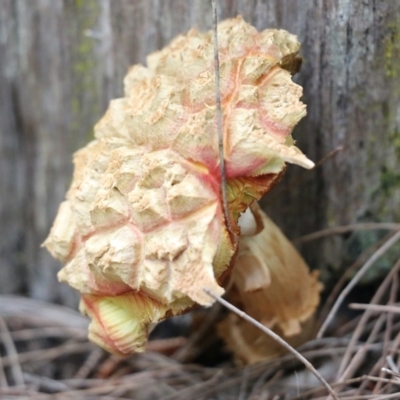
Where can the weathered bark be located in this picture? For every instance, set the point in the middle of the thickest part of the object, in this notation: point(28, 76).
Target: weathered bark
point(61, 61)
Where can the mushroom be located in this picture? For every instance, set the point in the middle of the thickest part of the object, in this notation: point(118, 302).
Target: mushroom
point(142, 230)
point(272, 283)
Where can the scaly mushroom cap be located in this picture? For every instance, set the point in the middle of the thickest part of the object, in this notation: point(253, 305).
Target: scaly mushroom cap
point(143, 224)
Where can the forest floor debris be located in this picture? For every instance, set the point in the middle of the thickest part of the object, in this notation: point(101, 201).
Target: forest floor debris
point(44, 353)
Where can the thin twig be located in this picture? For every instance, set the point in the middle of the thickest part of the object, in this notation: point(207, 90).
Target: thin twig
point(346, 276)
point(17, 391)
point(364, 378)
point(387, 334)
point(88, 366)
point(306, 173)
point(394, 370)
point(47, 332)
point(394, 373)
point(3, 378)
point(243, 385)
point(219, 119)
point(41, 313)
point(329, 155)
point(359, 329)
point(45, 383)
point(263, 385)
point(261, 381)
point(392, 364)
point(166, 346)
point(379, 253)
point(373, 397)
point(361, 353)
point(347, 328)
point(201, 389)
point(108, 366)
point(375, 307)
point(394, 349)
point(337, 230)
point(274, 336)
point(50, 354)
point(12, 354)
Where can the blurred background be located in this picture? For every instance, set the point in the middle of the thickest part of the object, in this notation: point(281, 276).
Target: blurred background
point(61, 61)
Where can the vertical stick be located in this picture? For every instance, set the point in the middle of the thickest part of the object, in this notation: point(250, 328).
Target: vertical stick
point(219, 120)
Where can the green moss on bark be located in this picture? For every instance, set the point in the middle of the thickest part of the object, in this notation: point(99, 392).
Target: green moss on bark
point(85, 96)
point(392, 50)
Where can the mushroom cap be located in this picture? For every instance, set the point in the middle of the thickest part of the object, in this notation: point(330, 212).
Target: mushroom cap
point(143, 216)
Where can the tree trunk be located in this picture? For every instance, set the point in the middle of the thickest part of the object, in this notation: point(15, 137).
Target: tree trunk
point(61, 61)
